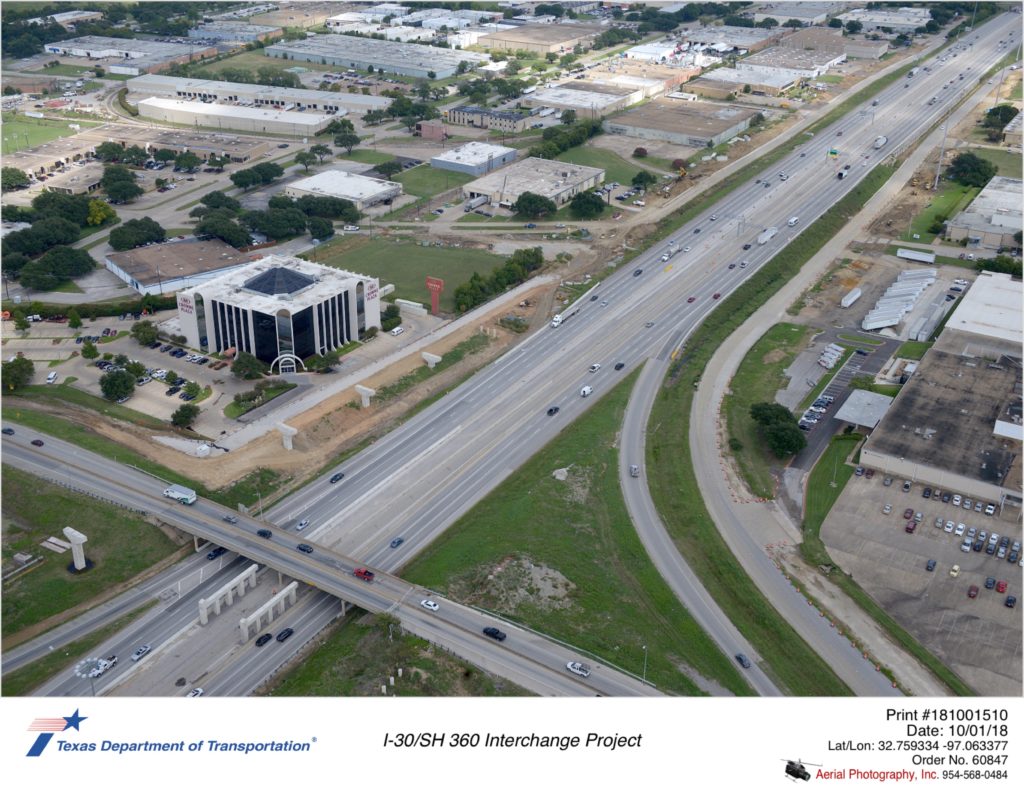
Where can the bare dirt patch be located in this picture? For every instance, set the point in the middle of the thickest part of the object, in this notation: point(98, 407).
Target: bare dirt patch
point(514, 581)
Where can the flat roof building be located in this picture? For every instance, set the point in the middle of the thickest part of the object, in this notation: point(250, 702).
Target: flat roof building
point(129, 55)
point(729, 37)
point(557, 181)
point(486, 118)
point(363, 191)
point(227, 116)
point(588, 99)
point(765, 82)
point(302, 14)
point(234, 31)
point(799, 63)
point(808, 13)
point(541, 39)
point(279, 306)
point(67, 19)
point(332, 102)
point(172, 266)
point(412, 60)
point(1012, 131)
point(695, 124)
point(864, 408)
point(474, 158)
point(899, 20)
point(993, 217)
point(78, 181)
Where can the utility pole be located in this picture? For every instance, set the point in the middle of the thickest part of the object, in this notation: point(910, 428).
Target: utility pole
point(942, 151)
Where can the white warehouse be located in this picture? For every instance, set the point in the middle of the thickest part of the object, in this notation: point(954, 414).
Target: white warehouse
point(363, 191)
point(228, 116)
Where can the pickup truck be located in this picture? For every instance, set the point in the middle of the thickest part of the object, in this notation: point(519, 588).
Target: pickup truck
point(103, 666)
point(364, 574)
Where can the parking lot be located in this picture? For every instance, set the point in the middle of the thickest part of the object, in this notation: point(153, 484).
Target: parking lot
point(979, 638)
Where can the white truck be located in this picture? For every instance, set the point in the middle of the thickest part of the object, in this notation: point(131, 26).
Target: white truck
point(473, 203)
point(182, 494)
point(767, 234)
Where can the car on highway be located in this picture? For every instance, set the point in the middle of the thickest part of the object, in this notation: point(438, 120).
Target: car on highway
point(578, 668)
point(687, 249)
point(619, 366)
point(264, 533)
point(304, 548)
point(196, 693)
point(215, 553)
point(648, 324)
point(585, 391)
point(142, 650)
point(637, 272)
point(302, 525)
point(38, 443)
point(263, 639)
point(396, 543)
point(742, 659)
point(284, 634)
point(495, 633)
point(429, 604)
point(732, 265)
point(552, 411)
point(691, 299)
point(364, 574)
point(595, 368)
point(337, 477)
point(747, 246)
point(716, 295)
point(231, 520)
point(8, 431)
point(594, 298)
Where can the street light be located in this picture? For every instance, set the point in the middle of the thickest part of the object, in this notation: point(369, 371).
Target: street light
point(645, 664)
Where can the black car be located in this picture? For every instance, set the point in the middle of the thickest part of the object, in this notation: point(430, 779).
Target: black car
point(637, 272)
point(305, 548)
point(264, 533)
point(1011, 601)
point(8, 431)
point(213, 554)
point(263, 639)
point(553, 411)
point(594, 298)
point(931, 565)
point(282, 145)
point(747, 246)
point(979, 545)
point(927, 493)
point(742, 659)
point(397, 542)
point(166, 347)
point(990, 583)
point(619, 366)
point(696, 230)
point(946, 497)
point(337, 477)
point(172, 390)
point(497, 634)
point(38, 443)
point(284, 634)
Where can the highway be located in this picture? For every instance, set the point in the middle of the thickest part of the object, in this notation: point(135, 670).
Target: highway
point(526, 658)
point(416, 481)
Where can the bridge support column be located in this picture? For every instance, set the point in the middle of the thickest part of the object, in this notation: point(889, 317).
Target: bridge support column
point(365, 394)
point(430, 359)
point(287, 597)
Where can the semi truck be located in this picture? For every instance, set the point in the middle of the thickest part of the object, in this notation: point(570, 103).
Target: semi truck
point(473, 203)
point(767, 234)
point(559, 318)
point(880, 141)
point(182, 494)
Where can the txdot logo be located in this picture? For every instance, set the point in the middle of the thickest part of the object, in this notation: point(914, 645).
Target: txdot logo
point(50, 726)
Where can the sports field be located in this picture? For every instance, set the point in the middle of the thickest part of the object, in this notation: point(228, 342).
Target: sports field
point(20, 132)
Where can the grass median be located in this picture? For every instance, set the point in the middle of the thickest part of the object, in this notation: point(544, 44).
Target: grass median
point(560, 555)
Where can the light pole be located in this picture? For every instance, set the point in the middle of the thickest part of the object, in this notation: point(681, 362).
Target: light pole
point(942, 150)
point(645, 665)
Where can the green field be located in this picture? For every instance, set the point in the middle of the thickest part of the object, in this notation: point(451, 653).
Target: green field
point(615, 167)
point(756, 380)
point(407, 265)
point(63, 70)
point(425, 181)
point(950, 199)
point(20, 132)
point(121, 545)
point(368, 155)
point(913, 350)
point(1008, 162)
point(252, 61)
point(612, 601)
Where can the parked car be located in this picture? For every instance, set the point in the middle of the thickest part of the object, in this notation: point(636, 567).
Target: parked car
point(930, 566)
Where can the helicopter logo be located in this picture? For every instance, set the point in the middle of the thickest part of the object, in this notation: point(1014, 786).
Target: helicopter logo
point(795, 770)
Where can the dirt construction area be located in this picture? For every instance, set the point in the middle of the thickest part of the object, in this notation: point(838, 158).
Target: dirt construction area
point(979, 638)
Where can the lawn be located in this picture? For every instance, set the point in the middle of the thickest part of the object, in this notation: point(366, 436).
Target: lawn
point(63, 70)
point(946, 202)
point(121, 545)
point(407, 265)
point(21, 132)
point(425, 181)
point(615, 167)
point(233, 410)
point(913, 350)
point(612, 601)
point(369, 156)
point(1008, 162)
point(65, 393)
point(756, 380)
point(252, 61)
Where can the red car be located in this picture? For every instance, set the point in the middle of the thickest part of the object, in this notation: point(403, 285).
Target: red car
point(715, 296)
point(908, 514)
point(692, 299)
point(972, 592)
point(1001, 586)
point(911, 527)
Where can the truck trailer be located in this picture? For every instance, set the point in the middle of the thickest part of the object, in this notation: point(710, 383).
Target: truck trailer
point(767, 234)
point(473, 203)
point(182, 494)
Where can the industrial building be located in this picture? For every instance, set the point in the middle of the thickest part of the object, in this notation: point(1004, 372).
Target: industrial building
point(588, 99)
point(67, 19)
point(412, 60)
point(226, 116)
point(474, 158)
point(808, 13)
point(173, 266)
point(77, 181)
point(898, 20)
point(557, 181)
point(234, 31)
point(801, 63)
point(957, 422)
point(993, 217)
point(485, 118)
point(246, 94)
point(541, 39)
point(363, 191)
point(277, 306)
point(865, 48)
point(431, 130)
point(818, 39)
point(130, 55)
point(1012, 131)
point(731, 39)
point(301, 14)
point(623, 71)
point(694, 124)
point(762, 82)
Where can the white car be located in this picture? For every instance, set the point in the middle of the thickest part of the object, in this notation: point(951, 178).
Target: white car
point(960, 528)
point(595, 368)
point(196, 693)
point(140, 652)
point(578, 668)
point(428, 604)
point(957, 500)
point(302, 525)
point(949, 526)
point(887, 508)
point(585, 391)
point(687, 249)
point(351, 228)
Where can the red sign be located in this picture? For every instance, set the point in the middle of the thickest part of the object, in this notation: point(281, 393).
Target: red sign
point(435, 286)
point(185, 304)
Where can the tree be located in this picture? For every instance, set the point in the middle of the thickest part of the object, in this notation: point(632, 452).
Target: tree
point(36, 276)
point(793, 23)
point(997, 117)
point(765, 413)
point(971, 170)
point(221, 224)
point(52, 231)
point(21, 322)
point(305, 158)
point(853, 26)
point(346, 140)
point(12, 179)
point(136, 233)
point(134, 155)
point(768, 23)
point(164, 155)
point(639, 152)
point(144, 332)
point(388, 169)
point(193, 389)
point(89, 350)
point(109, 152)
point(834, 22)
point(321, 151)
point(185, 415)
point(784, 439)
point(17, 373)
point(247, 366)
point(550, 57)
point(186, 160)
point(116, 385)
point(171, 376)
point(123, 192)
point(74, 320)
point(100, 212)
point(533, 205)
point(586, 205)
point(644, 179)
point(58, 204)
point(218, 200)
point(136, 369)
point(568, 117)
point(319, 228)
